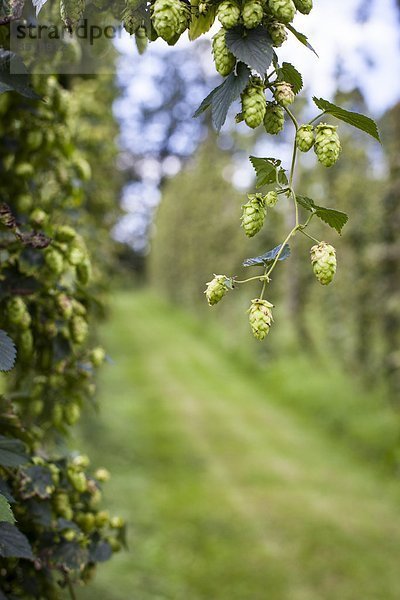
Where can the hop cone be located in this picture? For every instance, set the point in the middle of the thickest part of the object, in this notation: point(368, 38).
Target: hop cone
point(305, 138)
point(260, 317)
point(167, 19)
point(270, 199)
point(217, 288)
point(71, 12)
point(323, 259)
point(224, 60)
point(282, 10)
point(229, 14)
point(252, 13)
point(327, 144)
point(54, 260)
point(17, 313)
point(253, 215)
point(278, 33)
point(284, 93)
point(274, 118)
point(141, 39)
point(303, 6)
point(253, 103)
point(78, 329)
point(132, 20)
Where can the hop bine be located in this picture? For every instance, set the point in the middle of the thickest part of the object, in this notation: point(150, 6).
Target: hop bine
point(323, 259)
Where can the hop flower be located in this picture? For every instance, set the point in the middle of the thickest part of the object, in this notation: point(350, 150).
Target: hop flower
point(217, 288)
point(253, 103)
point(271, 198)
point(277, 32)
point(274, 118)
point(131, 19)
point(25, 344)
point(78, 329)
point(141, 39)
point(54, 260)
point(252, 13)
point(71, 12)
point(327, 144)
point(323, 259)
point(223, 58)
point(305, 138)
point(260, 318)
point(229, 13)
point(282, 10)
point(303, 6)
point(284, 93)
point(170, 18)
point(17, 313)
point(65, 233)
point(253, 215)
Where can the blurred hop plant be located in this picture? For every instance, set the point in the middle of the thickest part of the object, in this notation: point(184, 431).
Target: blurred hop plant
point(327, 144)
point(223, 58)
point(217, 288)
point(71, 12)
point(323, 259)
point(260, 318)
point(253, 215)
point(229, 13)
point(282, 10)
point(305, 138)
point(274, 118)
point(253, 103)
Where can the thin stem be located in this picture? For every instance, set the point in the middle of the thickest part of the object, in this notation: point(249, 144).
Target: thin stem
point(71, 589)
point(309, 236)
point(316, 118)
point(264, 284)
point(258, 277)
point(292, 117)
point(277, 257)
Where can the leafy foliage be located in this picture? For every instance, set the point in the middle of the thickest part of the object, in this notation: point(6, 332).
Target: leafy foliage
point(303, 39)
point(14, 75)
point(352, 118)
point(13, 543)
point(6, 513)
point(334, 218)
point(268, 258)
point(252, 47)
point(287, 72)
point(8, 352)
point(268, 171)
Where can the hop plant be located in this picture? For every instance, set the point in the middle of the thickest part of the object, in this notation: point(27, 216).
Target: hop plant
point(271, 198)
point(277, 32)
point(260, 318)
point(305, 138)
point(71, 12)
point(229, 14)
point(327, 144)
point(253, 103)
point(303, 6)
point(141, 39)
point(131, 19)
point(274, 118)
point(168, 17)
point(252, 13)
point(17, 313)
point(253, 216)
point(78, 329)
point(223, 58)
point(54, 260)
point(323, 259)
point(282, 10)
point(284, 93)
point(217, 288)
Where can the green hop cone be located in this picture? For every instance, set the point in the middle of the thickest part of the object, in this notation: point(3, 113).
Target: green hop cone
point(277, 32)
point(270, 199)
point(72, 413)
point(71, 12)
point(253, 216)
point(323, 259)
point(166, 16)
point(252, 13)
point(327, 144)
point(65, 234)
point(229, 14)
point(282, 10)
point(78, 329)
point(253, 103)
point(141, 40)
point(17, 313)
point(284, 93)
point(274, 118)
point(260, 318)
point(223, 58)
point(217, 288)
point(25, 345)
point(305, 138)
point(131, 19)
point(54, 261)
point(303, 6)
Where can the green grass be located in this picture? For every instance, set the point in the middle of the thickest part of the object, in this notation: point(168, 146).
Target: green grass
point(230, 474)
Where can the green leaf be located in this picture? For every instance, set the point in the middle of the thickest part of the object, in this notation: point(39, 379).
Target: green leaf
point(37, 481)
point(266, 170)
point(8, 352)
point(12, 452)
point(14, 75)
point(221, 98)
point(13, 543)
point(352, 118)
point(268, 258)
point(303, 39)
point(334, 218)
point(6, 514)
point(251, 46)
point(202, 23)
point(287, 72)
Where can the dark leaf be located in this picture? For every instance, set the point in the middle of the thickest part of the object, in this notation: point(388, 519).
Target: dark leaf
point(36, 481)
point(69, 556)
point(12, 452)
point(6, 514)
point(14, 75)
point(266, 259)
point(8, 352)
point(41, 512)
point(6, 491)
point(287, 72)
point(334, 218)
point(303, 39)
point(253, 47)
point(100, 551)
point(352, 118)
point(266, 170)
point(13, 543)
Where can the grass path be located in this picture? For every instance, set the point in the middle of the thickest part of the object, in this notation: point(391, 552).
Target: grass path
point(228, 494)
